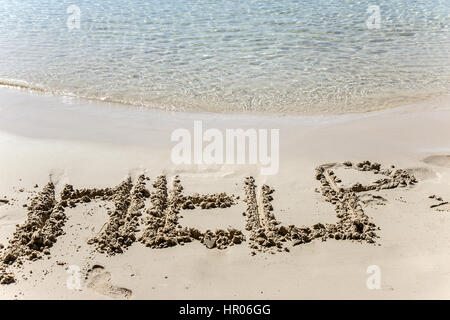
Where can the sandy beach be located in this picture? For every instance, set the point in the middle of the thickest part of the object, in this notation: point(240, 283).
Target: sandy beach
point(354, 193)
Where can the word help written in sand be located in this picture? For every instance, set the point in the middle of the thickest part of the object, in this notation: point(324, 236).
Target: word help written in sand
point(158, 226)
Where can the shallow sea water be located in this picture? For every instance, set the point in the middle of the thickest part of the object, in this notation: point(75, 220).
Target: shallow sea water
point(281, 56)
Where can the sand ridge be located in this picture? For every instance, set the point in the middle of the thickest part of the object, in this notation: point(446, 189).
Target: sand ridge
point(32, 239)
point(439, 203)
point(162, 227)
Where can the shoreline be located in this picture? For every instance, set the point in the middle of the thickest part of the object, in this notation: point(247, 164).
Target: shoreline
point(27, 89)
point(23, 103)
point(88, 145)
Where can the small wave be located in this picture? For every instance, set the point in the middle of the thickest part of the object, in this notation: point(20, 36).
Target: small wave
point(24, 85)
point(20, 84)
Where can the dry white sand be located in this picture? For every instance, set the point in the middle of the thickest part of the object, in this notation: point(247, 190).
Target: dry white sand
point(90, 145)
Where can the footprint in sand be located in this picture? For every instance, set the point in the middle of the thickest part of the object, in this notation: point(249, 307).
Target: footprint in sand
point(99, 280)
point(438, 160)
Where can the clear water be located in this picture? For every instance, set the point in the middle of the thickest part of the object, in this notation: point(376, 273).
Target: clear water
point(229, 55)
